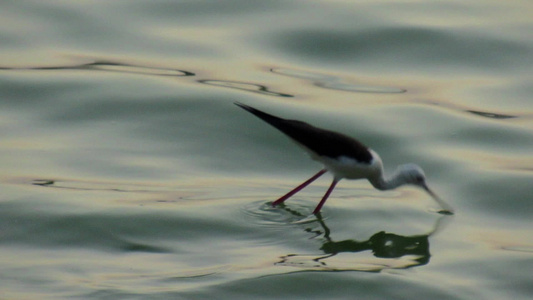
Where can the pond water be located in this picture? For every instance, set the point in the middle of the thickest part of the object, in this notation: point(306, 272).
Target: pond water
point(128, 173)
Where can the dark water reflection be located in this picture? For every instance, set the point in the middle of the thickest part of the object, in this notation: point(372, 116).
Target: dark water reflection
point(393, 251)
point(415, 45)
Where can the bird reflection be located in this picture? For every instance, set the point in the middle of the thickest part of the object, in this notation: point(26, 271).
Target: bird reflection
point(388, 250)
point(381, 244)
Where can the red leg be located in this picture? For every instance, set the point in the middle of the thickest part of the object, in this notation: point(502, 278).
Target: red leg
point(326, 195)
point(300, 187)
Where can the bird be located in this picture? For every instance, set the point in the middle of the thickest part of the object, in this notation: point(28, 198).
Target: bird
point(345, 157)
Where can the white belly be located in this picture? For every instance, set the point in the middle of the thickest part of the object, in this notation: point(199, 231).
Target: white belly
point(349, 168)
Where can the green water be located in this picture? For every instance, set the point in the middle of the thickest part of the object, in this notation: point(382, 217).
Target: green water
point(128, 173)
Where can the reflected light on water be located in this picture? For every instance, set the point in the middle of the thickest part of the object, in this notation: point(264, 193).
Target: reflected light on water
point(126, 173)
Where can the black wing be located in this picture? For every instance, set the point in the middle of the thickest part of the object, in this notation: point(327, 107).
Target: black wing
point(321, 141)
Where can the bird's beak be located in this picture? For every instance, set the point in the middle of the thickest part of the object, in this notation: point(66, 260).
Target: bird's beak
point(446, 209)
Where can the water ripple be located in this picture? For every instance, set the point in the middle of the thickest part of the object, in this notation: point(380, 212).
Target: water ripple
point(523, 249)
point(244, 86)
point(110, 66)
point(263, 213)
point(491, 115)
point(335, 83)
point(85, 185)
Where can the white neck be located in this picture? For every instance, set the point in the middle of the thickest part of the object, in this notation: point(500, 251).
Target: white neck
point(391, 182)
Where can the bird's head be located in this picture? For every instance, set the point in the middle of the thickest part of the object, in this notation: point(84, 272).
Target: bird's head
point(413, 174)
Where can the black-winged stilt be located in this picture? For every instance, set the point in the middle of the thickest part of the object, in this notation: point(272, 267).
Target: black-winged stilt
point(345, 157)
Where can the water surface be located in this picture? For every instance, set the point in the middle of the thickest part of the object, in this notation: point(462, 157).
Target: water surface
point(128, 173)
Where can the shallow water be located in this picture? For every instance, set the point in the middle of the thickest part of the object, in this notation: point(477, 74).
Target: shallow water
point(128, 173)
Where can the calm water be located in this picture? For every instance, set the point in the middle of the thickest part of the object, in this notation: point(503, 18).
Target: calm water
point(128, 173)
